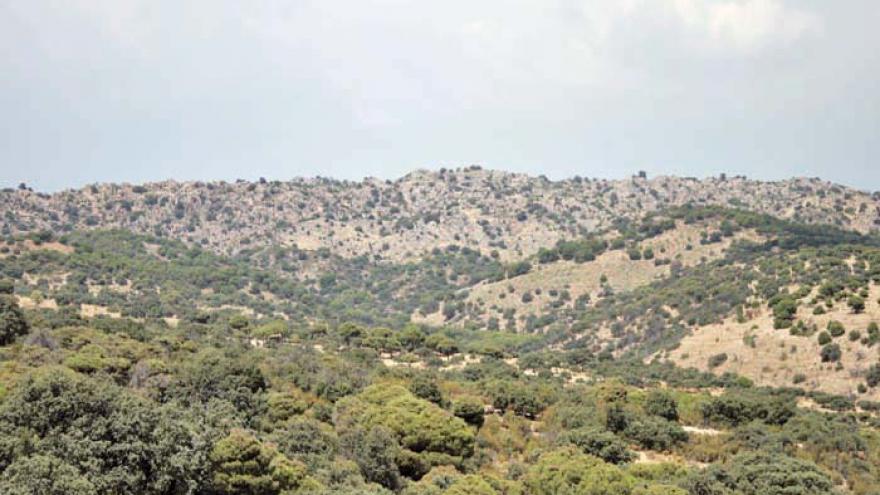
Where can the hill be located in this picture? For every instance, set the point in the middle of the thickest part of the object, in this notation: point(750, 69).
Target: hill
point(463, 331)
point(511, 214)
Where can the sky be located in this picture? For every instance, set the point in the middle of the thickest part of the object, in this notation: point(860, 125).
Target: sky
point(146, 90)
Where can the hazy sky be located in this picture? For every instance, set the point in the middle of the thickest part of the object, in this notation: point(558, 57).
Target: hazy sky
point(128, 90)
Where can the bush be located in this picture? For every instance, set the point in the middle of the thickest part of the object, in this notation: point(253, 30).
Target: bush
point(872, 377)
point(12, 322)
point(426, 388)
point(242, 464)
point(427, 434)
point(761, 474)
point(830, 353)
point(567, 471)
point(600, 443)
point(856, 303)
point(735, 408)
point(824, 338)
point(717, 360)
point(835, 328)
point(655, 433)
point(661, 403)
point(470, 409)
point(95, 433)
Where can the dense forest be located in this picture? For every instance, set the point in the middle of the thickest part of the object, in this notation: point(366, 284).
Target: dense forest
point(135, 362)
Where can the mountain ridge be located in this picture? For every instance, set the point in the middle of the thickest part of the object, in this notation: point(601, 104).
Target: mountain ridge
point(512, 214)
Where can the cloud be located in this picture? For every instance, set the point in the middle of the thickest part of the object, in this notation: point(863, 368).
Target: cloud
point(746, 25)
point(379, 86)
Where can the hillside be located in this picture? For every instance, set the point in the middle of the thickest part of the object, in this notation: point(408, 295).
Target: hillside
point(511, 214)
point(464, 331)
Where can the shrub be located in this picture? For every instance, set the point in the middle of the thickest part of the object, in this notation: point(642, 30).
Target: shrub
point(470, 409)
point(655, 433)
point(738, 408)
point(567, 471)
point(830, 353)
point(661, 403)
point(872, 377)
point(856, 303)
point(12, 322)
point(761, 474)
point(717, 360)
point(600, 443)
point(835, 328)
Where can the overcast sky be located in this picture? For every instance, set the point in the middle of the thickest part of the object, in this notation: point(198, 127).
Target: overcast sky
point(129, 90)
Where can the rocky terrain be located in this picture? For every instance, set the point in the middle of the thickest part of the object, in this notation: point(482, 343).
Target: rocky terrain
point(513, 215)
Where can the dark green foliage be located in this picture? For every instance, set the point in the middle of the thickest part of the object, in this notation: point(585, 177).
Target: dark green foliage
point(634, 253)
point(872, 377)
point(600, 443)
point(662, 404)
point(761, 474)
point(211, 376)
point(856, 303)
point(46, 475)
point(64, 421)
point(307, 440)
point(734, 408)
point(12, 321)
point(616, 418)
point(376, 453)
point(427, 435)
point(784, 310)
point(836, 328)
point(425, 387)
point(242, 464)
point(470, 409)
point(580, 251)
point(655, 433)
point(830, 353)
point(522, 399)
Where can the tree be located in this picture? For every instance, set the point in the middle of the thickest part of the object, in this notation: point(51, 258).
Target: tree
point(445, 480)
point(58, 421)
point(376, 453)
point(600, 443)
point(784, 311)
point(470, 409)
point(856, 303)
point(872, 377)
point(830, 353)
point(652, 432)
point(425, 387)
point(411, 337)
point(836, 328)
point(761, 474)
point(212, 375)
point(46, 475)
point(569, 472)
point(661, 403)
point(427, 434)
point(241, 464)
point(12, 321)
